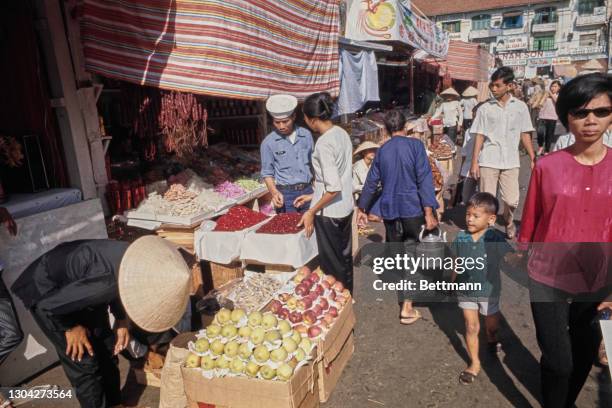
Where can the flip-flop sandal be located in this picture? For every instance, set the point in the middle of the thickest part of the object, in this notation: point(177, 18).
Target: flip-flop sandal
point(494, 347)
point(408, 320)
point(467, 378)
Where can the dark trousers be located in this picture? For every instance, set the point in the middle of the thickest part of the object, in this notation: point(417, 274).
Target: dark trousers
point(569, 343)
point(96, 378)
point(336, 247)
point(289, 197)
point(451, 131)
point(406, 231)
point(546, 133)
point(10, 331)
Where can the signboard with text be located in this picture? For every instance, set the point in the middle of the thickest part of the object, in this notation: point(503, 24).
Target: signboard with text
point(511, 43)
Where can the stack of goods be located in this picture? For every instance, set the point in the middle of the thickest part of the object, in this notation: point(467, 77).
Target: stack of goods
point(285, 223)
point(254, 291)
point(257, 345)
point(438, 179)
point(314, 304)
point(239, 218)
point(229, 190)
point(441, 149)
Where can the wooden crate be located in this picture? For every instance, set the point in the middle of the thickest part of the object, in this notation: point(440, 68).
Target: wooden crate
point(223, 273)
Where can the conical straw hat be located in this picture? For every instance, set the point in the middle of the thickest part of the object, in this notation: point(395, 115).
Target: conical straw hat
point(450, 91)
point(154, 283)
point(470, 91)
point(592, 65)
point(367, 145)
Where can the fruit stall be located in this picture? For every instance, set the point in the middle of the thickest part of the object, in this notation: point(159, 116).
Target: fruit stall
point(285, 348)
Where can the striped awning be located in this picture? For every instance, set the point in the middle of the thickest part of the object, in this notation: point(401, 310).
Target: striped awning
point(247, 49)
point(465, 61)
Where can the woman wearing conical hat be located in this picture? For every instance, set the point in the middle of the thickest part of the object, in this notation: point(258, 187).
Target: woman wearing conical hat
point(450, 112)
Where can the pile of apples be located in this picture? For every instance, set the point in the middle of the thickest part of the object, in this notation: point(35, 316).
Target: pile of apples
point(314, 304)
point(253, 345)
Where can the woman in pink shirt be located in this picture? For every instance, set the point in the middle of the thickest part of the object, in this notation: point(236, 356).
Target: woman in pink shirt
point(548, 119)
point(568, 219)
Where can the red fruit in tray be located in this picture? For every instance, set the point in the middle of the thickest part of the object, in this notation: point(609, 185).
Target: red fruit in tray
point(330, 279)
point(314, 331)
point(325, 284)
point(275, 306)
point(328, 318)
point(304, 271)
point(295, 317)
point(304, 304)
point(318, 309)
point(300, 328)
point(284, 297)
point(301, 290)
point(324, 303)
point(333, 311)
point(332, 295)
point(308, 283)
point(314, 277)
point(310, 317)
point(284, 313)
point(341, 299)
point(319, 290)
point(338, 286)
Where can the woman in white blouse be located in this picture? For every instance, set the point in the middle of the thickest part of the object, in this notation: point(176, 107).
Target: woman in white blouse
point(331, 207)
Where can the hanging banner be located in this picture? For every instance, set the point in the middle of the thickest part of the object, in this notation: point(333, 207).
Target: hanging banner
point(394, 20)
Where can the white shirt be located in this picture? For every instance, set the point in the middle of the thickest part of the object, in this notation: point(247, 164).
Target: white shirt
point(467, 151)
point(360, 173)
point(468, 106)
point(569, 139)
point(501, 127)
point(332, 163)
point(450, 112)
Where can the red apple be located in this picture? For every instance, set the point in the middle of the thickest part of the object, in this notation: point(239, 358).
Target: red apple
point(324, 303)
point(284, 313)
point(310, 317)
point(304, 304)
point(312, 296)
point(319, 290)
point(300, 328)
point(314, 278)
point(332, 295)
point(338, 286)
point(308, 283)
point(329, 318)
point(341, 299)
point(317, 309)
point(304, 271)
point(330, 279)
point(302, 290)
point(314, 331)
point(333, 311)
point(275, 306)
point(284, 297)
point(325, 284)
point(295, 317)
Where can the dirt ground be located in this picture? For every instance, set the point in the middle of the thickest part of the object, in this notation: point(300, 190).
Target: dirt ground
point(418, 366)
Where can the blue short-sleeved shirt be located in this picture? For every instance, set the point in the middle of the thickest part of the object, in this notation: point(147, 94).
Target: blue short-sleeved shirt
point(491, 246)
point(288, 163)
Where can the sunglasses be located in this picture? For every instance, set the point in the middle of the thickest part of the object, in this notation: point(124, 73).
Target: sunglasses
point(598, 112)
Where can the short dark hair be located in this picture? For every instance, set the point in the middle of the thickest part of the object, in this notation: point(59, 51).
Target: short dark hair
point(556, 81)
point(580, 91)
point(319, 105)
point(486, 201)
point(506, 74)
point(394, 121)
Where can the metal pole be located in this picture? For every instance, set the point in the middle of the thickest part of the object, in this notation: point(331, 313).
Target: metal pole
point(412, 83)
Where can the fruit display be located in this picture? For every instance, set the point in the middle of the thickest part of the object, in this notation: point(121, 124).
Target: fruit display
point(254, 291)
point(248, 184)
point(285, 223)
point(253, 345)
point(239, 218)
point(314, 304)
point(230, 190)
point(438, 179)
point(441, 149)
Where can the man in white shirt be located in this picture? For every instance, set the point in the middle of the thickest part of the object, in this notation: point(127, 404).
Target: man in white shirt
point(500, 125)
point(451, 113)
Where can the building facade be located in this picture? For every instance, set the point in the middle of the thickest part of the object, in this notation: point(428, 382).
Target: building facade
point(534, 37)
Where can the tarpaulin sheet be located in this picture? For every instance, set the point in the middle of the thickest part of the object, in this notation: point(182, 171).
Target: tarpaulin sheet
point(465, 61)
point(228, 48)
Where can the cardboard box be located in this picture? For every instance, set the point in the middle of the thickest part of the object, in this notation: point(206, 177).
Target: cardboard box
point(329, 347)
point(242, 392)
point(330, 374)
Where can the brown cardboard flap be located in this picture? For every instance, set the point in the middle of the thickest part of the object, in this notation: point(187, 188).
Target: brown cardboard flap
point(330, 346)
point(330, 375)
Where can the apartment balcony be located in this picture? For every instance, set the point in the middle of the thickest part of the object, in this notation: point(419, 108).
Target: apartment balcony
point(486, 33)
point(544, 28)
point(591, 20)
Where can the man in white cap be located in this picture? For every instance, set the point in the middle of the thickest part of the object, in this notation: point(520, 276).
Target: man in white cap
point(70, 289)
point(286, 156)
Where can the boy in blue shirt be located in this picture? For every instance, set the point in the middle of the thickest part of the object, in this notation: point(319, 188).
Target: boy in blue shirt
point(480, 242)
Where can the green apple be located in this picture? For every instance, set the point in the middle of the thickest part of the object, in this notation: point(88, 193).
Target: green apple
point(300, 354)
point(267, 372)
point(193, 361)
point(255, 319)
point(222, 363)
point(306, 345)
point(237, 366)
point(202, 345)
point(251, 369)
point(217, 347)
point(245, 332)
point(289, 345)
point(269, 321)
point(278, 355)
point(223, 316)
point(272, 336)
point(207, 363)
point(213, 331)
point(231, 348)
point(261, 354)
point(237, 315)
point(258, 335)
point(284, 372)
point(228, 331)
point(284, 327)
point(244, 351)
point(296, 336)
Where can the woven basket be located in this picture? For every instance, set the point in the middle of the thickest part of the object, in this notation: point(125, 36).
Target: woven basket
point(223, 273)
